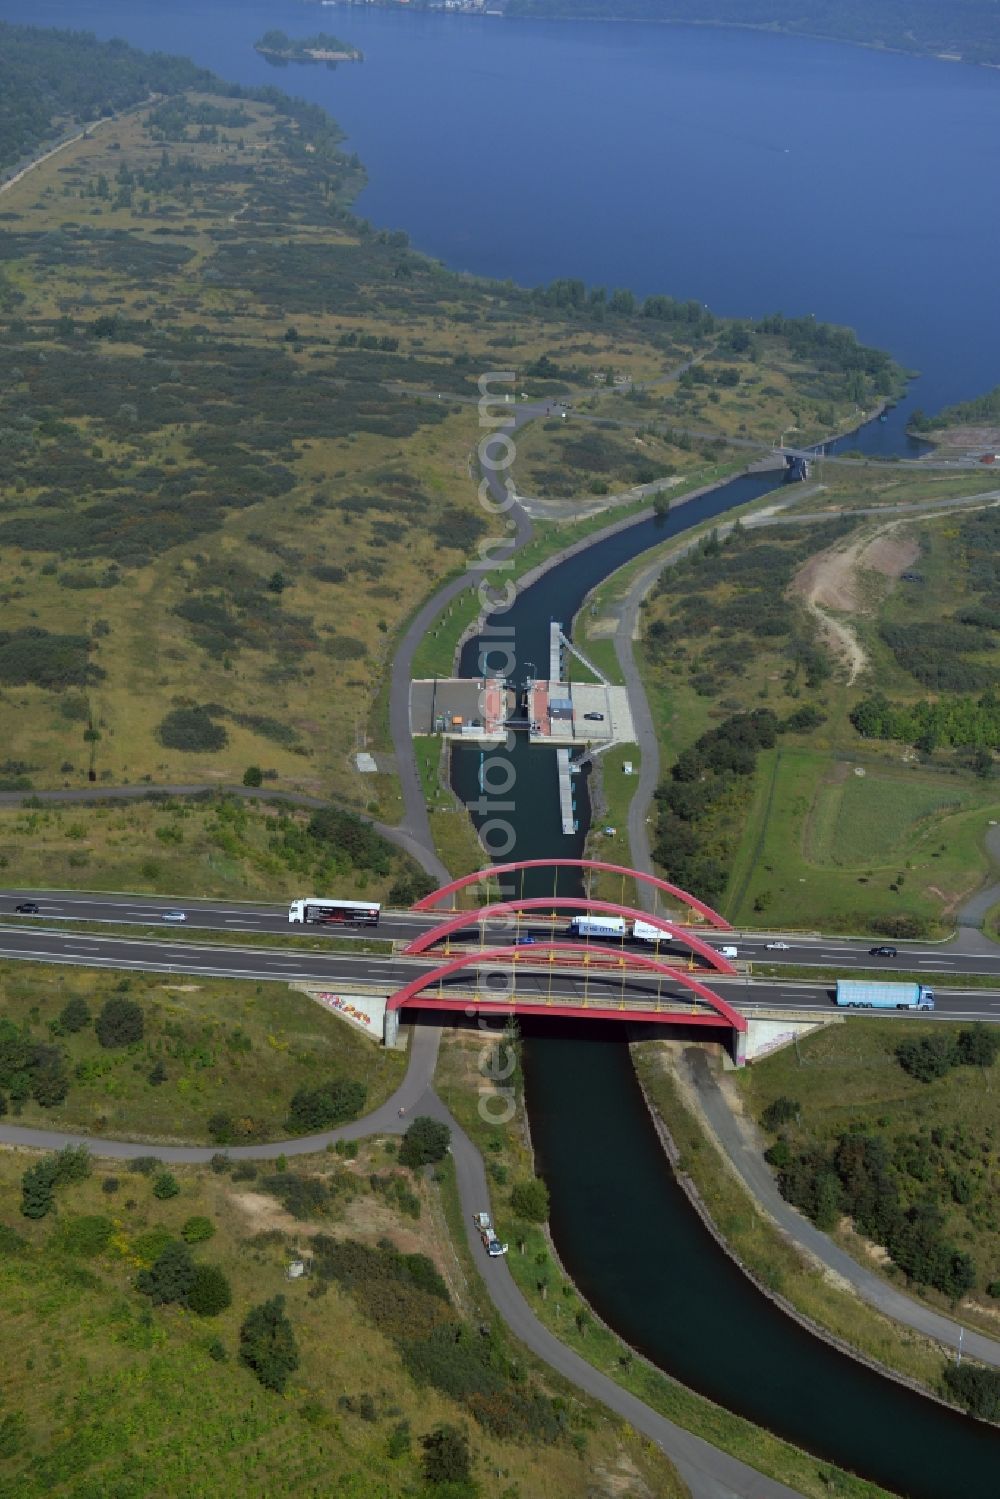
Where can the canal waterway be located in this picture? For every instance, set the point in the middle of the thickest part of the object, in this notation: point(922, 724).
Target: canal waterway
point(621, 1223)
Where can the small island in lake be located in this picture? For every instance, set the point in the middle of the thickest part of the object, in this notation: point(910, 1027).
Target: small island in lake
point(277, 46)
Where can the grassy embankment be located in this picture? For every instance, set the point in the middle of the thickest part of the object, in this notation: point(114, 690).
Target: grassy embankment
point(833, 831)
point(227, 1046)
point(167, 1405)
point(887, 485)
point(462, 1082)
point(212, 846)
point(455, 840)
point(940, 1136)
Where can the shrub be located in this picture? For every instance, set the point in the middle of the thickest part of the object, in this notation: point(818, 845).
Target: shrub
point(49, 1078)
point(780, 1112)
point(145, 1165)
point(976, 1388)
point(170, 1277)
point(302, 1196)
point(928, 1058)
point(37, 657)
point(530, 1199)
point(210, 1292)
point(779, 1154)
point(110, 1185)
point(329, 1104)
point(977, 1046)
point(166, 1185)
point(352, 838)
point(74, 1015)
point(253, 776)
point(446, 1456)
point(426, 1140)
point(84, 1236)
point(39, 1182)
point(157, 1075)
point(267, 1344)
point(192, 729)
point(898, 926)
point(400, 1440)
point(120, 1022)
point(196, 1230)
point(220, 1128)
point(217, 1350)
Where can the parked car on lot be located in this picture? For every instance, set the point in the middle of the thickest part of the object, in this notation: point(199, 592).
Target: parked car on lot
point(882, 952)
point(27, 908)
point(777, 946)
point(594, 717)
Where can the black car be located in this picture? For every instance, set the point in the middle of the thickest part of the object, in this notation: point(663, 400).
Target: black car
point(27, 908)
point(881, 952)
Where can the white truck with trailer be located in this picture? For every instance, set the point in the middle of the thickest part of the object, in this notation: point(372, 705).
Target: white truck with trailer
point(645, 931)
point(862, 994)
point(491, 1243)
point(598, 926)
point(315, 908)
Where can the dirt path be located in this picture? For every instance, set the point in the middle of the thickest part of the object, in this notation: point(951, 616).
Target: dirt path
point(830, 586)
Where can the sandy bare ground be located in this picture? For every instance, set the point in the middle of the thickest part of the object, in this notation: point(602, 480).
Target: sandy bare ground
point(369, 1218)
point(970, 440)
point(831, 585)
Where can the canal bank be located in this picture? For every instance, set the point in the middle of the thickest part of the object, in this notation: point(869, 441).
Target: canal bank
point(622, 1226)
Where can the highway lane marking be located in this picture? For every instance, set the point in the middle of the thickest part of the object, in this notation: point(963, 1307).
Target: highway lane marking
point(149, 941)
point(183, 960)
point(92, 961)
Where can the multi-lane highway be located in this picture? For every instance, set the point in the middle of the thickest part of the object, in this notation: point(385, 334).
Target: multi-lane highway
point(241, 917)
point(53, 941)
point(944, 961)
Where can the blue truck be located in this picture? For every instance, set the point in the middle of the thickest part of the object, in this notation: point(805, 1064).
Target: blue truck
point(862, 994)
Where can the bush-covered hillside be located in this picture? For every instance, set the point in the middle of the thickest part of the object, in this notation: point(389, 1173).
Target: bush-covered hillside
point(53, 80)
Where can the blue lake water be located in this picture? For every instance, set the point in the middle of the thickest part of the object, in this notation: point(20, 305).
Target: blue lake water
point(752, 172)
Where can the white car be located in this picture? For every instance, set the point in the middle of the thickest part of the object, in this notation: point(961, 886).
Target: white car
point(174, 916)
point(777, 946)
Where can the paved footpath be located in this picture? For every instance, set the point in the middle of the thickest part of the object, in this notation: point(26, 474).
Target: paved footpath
point(709, 1473)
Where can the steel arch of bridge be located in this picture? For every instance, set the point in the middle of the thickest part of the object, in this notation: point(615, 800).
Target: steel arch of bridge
point(428, 902)
point(723, 1014)
point(425, 940)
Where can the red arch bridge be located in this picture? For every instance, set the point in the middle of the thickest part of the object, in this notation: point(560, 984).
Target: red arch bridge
point(553, 975)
